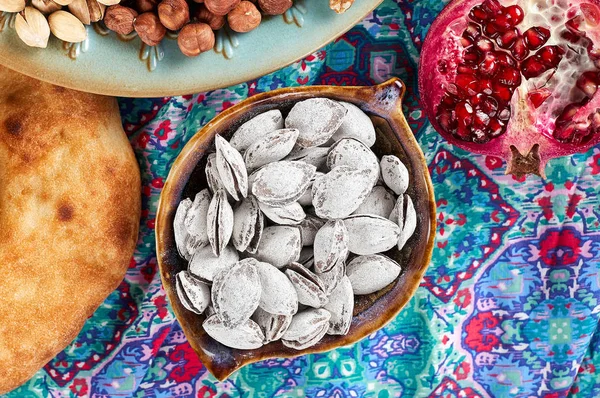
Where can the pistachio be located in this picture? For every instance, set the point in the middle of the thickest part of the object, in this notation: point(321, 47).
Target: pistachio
point(371, 273)
point(46, 6)
point(317, 119)
point(32, 28)
point(236, 292)
point(67, 27)
point(63, 2)
point(12, 5)
point(87, 11)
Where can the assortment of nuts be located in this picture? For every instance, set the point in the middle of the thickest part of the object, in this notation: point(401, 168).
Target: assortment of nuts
point(194, 20)
point(292, 226)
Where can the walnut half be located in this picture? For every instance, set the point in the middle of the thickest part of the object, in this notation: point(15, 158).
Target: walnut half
point(340, 6)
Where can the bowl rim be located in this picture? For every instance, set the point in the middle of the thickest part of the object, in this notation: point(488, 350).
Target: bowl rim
point(187, 154)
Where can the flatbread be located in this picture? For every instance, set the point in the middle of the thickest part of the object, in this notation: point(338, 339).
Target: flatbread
point(69, 217)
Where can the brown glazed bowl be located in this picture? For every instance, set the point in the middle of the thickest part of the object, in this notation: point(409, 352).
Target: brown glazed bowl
point(383, 103)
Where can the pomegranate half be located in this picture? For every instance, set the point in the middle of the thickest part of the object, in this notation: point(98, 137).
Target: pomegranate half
point(516, 79)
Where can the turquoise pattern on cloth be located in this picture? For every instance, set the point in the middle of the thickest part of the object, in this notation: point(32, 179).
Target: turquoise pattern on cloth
point(508, 308)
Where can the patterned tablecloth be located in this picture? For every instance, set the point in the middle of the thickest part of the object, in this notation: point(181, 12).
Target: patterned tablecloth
point(508, 307)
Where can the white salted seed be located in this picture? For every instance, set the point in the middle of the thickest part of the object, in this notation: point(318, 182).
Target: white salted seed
point(219, 222)
point(278, 295)
point(282, 183)
point(338, 193)
point(270, 148)
point(394, 173)
point(193, 294)
point(352, 152)
point(279, 245)
point(273, 326)
point(232, 168)
point(247, 336)
point(290, 214)
point(317, 119)
point(236, 292)
point(246, 223)
point(255, 128)
point(371, 273)
point(371, 234)
point(410, 223)
point(380, 202)
point(179, 228)
point(205, 265)
point(356, 124)
point(330, 245)
point(341, 305)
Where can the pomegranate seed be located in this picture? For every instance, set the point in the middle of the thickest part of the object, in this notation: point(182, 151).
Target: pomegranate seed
point(448, 101)
point(567, 114)
point(491, 7)
point(536, 37)
point(519, 50)
point(570, 37)
point(591, 13)
point(446, 120)
point(503, 22)
point(481, 119)
point(504, 115)
point(452, 89)
point(509, 77)
point(464, 132)
point(485, 85)
point(478, 14)
point(462, 68)
point(588, 83)
point(471, 56)
point(472, 32)
point(491, 31)
point(484, 44)
point(464, 114)
point(489, 105)
point(516, 14)
point(495, 128)
point(502, 93)
point(507, 39)
point(573, 25)
point(537, 97)
point(504, 59)
point(550, 55)
point(465, 42)
point(489, 65)
point(533, 67)
point(467, 82)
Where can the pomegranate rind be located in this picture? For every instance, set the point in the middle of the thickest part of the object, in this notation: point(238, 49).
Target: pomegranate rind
point(528, 137)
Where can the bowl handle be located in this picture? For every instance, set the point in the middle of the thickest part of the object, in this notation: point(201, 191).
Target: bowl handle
point(385, 100)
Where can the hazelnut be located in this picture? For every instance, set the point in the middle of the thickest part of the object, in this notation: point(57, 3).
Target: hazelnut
point(149, 28)
point(215, 22)
point(120, 19)
point(195, 38)
point(244, 17)
point(174, 14)
point(145, 5)
point(221, 7)
point(274, 7)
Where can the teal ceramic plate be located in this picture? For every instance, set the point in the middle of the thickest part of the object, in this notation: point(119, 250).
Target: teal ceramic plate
point(106, 64)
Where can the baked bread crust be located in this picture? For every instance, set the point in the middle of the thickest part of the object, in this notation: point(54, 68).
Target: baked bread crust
point(69, 217)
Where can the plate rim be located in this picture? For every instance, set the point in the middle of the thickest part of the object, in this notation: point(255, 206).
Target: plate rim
point(37, 72)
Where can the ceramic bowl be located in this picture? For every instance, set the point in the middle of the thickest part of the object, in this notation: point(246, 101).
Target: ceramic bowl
point(383, 103)
point(124, 66)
